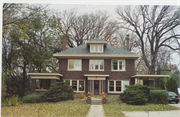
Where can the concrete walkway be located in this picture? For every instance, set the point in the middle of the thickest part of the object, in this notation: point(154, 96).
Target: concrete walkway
point(96, 111)
point(171, 113)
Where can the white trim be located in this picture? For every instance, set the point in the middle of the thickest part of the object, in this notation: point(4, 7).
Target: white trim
point(98, 56)
point(96, 78)
point(41, 90)
point(123, 65)
point(96, 75)
point(46, 74)
point(74, 65)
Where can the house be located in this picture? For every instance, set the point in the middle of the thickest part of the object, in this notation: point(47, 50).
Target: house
point(93, 67)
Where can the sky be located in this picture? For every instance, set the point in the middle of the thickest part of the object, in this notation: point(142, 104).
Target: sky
point(91, 6)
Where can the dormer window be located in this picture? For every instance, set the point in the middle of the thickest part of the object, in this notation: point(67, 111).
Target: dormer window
point(96, 48)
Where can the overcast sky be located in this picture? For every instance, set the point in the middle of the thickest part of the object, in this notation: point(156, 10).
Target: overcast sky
point(94, 5)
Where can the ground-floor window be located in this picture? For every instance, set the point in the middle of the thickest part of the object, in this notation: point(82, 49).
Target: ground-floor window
point(42, 83)
point(77, 85)
point(117, 86)
point(114, 86)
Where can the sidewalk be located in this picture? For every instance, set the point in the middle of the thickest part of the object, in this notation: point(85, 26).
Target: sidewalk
point(96, 111)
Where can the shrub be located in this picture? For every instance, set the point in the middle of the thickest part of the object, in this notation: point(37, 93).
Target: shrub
point(80, 95)
point(12, 101)
point(59, 91)
point(31, 98)
point(135, 94)
point(158, 96)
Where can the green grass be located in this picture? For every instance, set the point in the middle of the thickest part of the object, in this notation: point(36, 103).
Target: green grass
point(77, 107)
point(114, 106)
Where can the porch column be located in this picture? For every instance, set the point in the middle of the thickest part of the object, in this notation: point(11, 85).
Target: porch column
point(151, 83)
point(53, 81)
point(33, 85)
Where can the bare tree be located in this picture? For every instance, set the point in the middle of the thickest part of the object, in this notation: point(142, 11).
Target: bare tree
point(153, 26)
point(87, 26)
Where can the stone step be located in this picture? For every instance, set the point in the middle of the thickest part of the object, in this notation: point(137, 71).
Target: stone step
point(96, 101)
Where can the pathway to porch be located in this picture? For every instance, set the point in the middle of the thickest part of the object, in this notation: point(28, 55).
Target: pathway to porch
point(96, 109)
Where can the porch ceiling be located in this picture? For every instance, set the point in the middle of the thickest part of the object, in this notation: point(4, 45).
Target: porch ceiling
point(45, 75)
point(149, 77)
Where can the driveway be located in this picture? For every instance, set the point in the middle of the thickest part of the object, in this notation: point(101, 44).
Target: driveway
point(171, 113)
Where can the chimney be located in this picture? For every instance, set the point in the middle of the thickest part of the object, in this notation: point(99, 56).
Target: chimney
point(127, 42)
point(64, 42)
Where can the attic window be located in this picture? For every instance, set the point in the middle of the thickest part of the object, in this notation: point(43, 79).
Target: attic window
point(96, 48)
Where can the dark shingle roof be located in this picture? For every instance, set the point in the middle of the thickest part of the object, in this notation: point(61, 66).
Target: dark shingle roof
point(109, 49)
point(97, 40)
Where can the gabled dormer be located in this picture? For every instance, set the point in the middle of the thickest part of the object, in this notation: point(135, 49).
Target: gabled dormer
point(96, 46)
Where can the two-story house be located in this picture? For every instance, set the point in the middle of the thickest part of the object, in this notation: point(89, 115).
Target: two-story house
point(93, 67)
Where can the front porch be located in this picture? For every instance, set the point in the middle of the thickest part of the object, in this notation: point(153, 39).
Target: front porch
point(40, 82)
point(146, 79)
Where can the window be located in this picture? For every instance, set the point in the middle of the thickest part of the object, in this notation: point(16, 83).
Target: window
point(118, 65)
point(111, 85)
point(114, 86)
point(118, 85)
point(81, 85)
point(74, 64)
point(96, 48)
point(42, 84)
point(74, 85)
point(96, 65)
point(77, 85)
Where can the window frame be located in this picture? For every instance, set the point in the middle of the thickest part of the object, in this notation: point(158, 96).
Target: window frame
point(115, 86)
point(98, 65)
point(74, 65)
point(77, 90)
point(95, 48)
point(123, 66)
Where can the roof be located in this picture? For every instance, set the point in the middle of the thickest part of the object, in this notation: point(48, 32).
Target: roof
point(45, 75)
point(96, 40)
point(149, 77)
point(82, 50)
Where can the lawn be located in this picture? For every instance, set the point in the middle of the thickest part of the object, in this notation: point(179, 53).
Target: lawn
point(114, 106)
point(76, 107)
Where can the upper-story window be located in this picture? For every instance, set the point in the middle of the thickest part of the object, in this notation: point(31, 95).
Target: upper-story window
point(96, 48)
point(118, 65)
point(74, 64)
point(96, 65)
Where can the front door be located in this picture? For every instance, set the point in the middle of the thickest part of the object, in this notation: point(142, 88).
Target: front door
point(96, 87)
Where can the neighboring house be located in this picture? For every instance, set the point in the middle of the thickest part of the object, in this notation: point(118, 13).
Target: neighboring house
point(93, 67)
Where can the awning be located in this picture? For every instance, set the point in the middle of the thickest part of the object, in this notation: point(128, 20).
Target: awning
point(96, 76)
point(149, 77)
point(45, 75)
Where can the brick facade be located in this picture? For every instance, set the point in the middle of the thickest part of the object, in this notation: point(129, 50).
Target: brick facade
point(113, 75)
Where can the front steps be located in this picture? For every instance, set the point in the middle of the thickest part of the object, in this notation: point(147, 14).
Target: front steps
point(96, 100)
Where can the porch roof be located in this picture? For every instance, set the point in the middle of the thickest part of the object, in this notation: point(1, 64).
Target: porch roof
point(149, 77)
point(45, 75)
point(103, 75)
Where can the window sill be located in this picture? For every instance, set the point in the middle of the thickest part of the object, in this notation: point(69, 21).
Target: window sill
point(116, 92)
point(119, 70)
point(41, 89)
point(73, 70)
point(79, 91)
